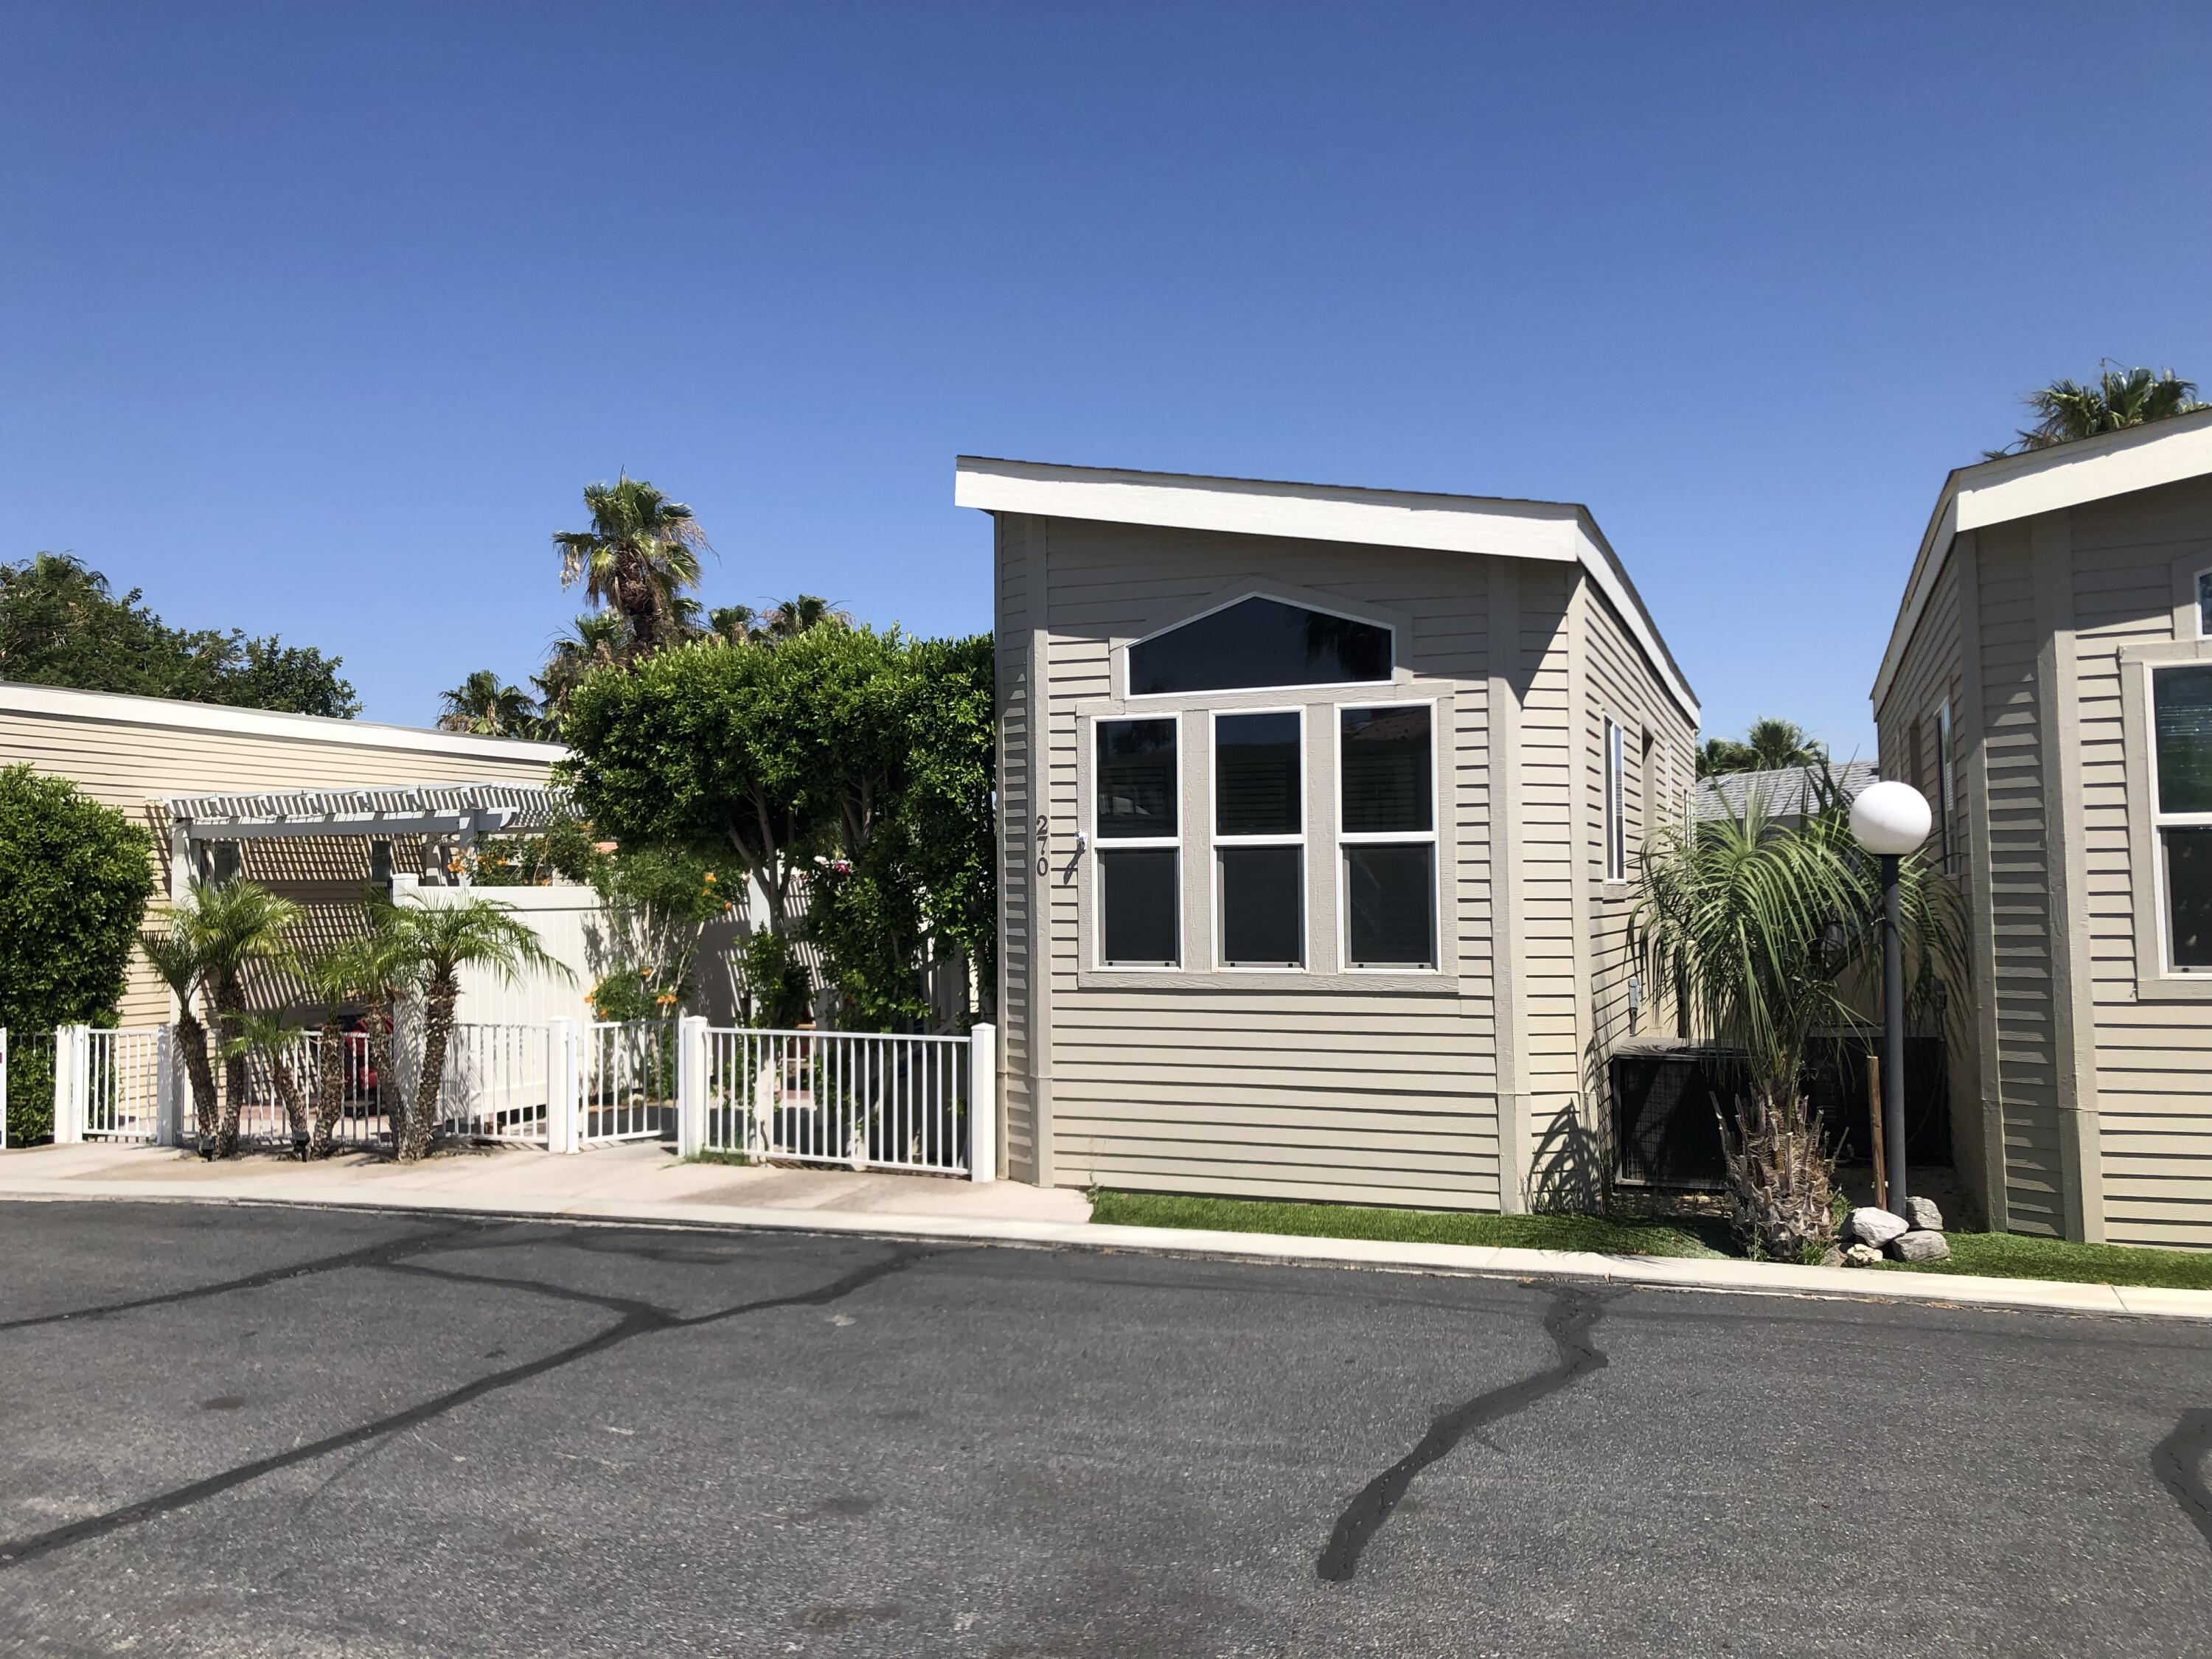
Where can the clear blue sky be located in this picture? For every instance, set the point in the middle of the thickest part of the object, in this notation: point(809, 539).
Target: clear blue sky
point(316, 319)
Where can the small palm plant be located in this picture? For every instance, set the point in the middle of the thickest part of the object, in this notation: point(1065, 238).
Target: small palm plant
point(174, 957)
point(268, 1037)
point(1740, 916)
point(2117, 399)
point(434, 943)
point(235, 928)
point(359, 971)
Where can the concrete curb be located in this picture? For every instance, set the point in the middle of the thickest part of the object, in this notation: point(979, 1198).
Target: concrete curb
point(1739, 1278)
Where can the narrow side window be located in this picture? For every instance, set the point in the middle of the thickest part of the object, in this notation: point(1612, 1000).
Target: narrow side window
point(1616, 806)
point(1135, 789)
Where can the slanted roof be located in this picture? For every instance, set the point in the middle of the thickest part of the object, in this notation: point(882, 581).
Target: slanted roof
point(1784, 793)
point(2042, 481)
point(1563, 532)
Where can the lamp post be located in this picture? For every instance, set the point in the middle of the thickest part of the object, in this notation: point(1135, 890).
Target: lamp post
point(1890, 819)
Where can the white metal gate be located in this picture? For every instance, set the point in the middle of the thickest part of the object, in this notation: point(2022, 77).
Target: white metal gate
point(628, 1082)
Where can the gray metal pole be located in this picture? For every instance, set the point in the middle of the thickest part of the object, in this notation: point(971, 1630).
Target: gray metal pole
point(1893, 1029)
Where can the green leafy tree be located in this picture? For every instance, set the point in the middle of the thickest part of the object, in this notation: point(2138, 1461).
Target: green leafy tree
point(483, 705)
point(75, 876)
point(640, 553)
point(2119, 398)
point(61, 624)
point(432, 943)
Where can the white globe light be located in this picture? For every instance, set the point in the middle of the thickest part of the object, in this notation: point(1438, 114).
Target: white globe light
point(1891, 817)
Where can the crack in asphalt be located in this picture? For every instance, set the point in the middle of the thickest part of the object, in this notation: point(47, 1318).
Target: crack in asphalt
point(369, 1256)
point(2178, 1462)
point(637, 1319)
point(1568, 1322)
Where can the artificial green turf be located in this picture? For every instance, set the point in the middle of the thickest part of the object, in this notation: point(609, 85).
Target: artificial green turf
point(2014, 1255)
point(1620, 1236)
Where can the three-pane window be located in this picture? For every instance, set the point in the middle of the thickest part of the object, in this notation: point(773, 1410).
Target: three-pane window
point(1387, 773)
point(2181, 717)
point(1259, 832)
point(1136, 787)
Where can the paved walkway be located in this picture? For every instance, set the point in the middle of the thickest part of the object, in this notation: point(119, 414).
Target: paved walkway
point(645, 1184)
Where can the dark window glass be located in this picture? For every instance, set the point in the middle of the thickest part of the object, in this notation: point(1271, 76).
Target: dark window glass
point(1260, 642)
point(1255, 774)
point(1391, 916)
point(2188, 894)
point(2204, 605)
point(1262, 907)
point(1387, 780)
point(1140, 904)
point(2183, 699)
point(1136, 781)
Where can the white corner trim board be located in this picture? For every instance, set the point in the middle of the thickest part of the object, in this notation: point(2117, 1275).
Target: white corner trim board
point(113, 709)
point(2042, 481)
point(1560, 532)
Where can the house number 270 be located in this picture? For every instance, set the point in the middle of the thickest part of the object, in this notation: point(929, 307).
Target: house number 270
point(1044, 852)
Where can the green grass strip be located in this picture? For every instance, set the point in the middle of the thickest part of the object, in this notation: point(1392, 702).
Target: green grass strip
point(1617, 1236)
point(2015, 1255)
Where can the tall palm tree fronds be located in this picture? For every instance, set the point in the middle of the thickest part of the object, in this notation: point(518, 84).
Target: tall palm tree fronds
point(1770, 745)
point(485, 706)
point(640, 553)
point(435, 943)
point(597, 640)
point(175, 957)
point(2117, 399)
point(787, 619)
point(233, 927)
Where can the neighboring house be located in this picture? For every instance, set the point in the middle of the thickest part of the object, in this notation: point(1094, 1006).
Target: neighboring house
point(2048, 686)
point(1782, 793)
point(1319, 807)
point(315, 808)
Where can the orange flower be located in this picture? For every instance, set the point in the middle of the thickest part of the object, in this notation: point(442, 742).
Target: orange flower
point(710, 875)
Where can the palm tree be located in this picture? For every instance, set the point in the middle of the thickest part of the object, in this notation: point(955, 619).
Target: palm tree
point(358, 971)
point(268, 1035)
point(1770, 745)
point(483, 705)
point(1737, 915)
point(740, 624)
point(2120, 398)
point(597, 639)
point(233, 927)
point(436, 941)
point(640, 554)
point(177, 960)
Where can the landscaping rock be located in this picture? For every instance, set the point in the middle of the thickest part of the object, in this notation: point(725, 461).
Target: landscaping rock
point(1873, 1226)
point(1832, 1257)
point(1920, 1245)
point(1924, 1215)
point(1860, 1255)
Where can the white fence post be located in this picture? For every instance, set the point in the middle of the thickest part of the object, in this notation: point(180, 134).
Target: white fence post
point(72, 1062)
point(691, 1085)
point(168, 1097)
point(983, 1103)
point(560, 1105)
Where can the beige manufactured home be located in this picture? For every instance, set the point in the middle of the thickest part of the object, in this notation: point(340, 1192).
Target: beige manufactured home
point(2048, 685)
point(1319, 807)
point(355, 801)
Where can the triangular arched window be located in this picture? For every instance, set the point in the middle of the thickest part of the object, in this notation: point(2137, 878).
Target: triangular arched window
point(1259, 643)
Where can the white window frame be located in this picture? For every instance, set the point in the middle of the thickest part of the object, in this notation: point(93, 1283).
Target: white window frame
point(1138, 699)
point(1102, 845)
point(1947, 788)
point(1388, 838)
point(1217, 840)
point(1616, 803)
point(2162, 821)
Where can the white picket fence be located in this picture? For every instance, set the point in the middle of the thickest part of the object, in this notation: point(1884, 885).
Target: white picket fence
point(851, 1100)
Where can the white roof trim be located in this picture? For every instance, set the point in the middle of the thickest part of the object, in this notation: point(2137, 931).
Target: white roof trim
point(114, 708)
point(2042, 481)
point(1560, 532)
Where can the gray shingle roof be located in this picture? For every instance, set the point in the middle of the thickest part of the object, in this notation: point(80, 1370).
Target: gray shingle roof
point(1783, 794)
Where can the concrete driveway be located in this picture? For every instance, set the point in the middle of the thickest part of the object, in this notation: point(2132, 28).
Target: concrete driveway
point(269, 1431)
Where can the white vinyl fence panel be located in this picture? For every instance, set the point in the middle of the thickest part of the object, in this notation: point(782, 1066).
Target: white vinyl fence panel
point(849, 1099)
point(629, 1081)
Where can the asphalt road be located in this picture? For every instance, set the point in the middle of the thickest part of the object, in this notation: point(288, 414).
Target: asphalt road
point(238, 1431)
